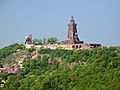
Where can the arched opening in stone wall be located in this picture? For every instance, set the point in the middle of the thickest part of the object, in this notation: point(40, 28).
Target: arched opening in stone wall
point(80, 46)
point(76, 46)
point(73, 46)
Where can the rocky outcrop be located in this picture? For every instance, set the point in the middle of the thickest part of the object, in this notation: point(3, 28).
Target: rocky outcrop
point(9, 69)
point(70, 65)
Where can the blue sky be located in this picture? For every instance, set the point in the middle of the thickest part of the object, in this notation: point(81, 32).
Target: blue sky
point(98, 21)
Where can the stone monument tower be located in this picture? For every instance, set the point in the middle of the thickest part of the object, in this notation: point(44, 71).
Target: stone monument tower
point(72, 36)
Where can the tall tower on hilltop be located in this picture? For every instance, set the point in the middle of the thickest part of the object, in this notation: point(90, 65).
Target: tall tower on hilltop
point(72, 36)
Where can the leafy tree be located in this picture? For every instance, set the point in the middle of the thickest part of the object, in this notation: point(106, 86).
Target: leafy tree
point(51, 40)
point(44, 40)
point(37, 41)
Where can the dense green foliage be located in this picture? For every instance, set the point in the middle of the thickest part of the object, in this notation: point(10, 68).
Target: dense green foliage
point(4, 52)
point(37, 41)
point(7, 51)
point(52, 40)
point(101, 72)
point(49, 40)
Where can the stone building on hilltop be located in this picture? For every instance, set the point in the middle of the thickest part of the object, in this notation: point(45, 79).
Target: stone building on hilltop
point(72, 41)
point(72, 36)
point(28, 39)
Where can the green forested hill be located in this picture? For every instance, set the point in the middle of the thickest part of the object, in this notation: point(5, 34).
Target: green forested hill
point(7, 51)
point(97, 69)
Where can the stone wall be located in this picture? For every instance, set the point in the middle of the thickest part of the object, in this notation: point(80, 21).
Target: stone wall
point(69, 46)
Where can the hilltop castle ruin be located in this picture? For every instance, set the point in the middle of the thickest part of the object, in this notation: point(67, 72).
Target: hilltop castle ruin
point(72, 41)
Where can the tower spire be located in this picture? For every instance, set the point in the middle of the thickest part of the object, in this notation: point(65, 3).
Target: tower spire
point(72, 19)
point(72, 37)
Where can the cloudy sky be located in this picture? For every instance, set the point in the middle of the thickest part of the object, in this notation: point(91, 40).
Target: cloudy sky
point(98, 21)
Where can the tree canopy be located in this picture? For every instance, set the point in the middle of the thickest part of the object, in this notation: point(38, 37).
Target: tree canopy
point(96, 69)
point(49, 40)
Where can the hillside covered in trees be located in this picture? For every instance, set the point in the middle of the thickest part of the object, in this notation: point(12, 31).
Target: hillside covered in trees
point(59, 69)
